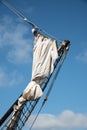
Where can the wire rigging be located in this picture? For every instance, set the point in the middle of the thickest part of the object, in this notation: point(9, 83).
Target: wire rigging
point(51, 86)
point(25, 19)
point(18, 13)
point(37, 114)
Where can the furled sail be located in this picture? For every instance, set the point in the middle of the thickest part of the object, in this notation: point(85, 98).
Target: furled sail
point(45, 53)
point(47, 56)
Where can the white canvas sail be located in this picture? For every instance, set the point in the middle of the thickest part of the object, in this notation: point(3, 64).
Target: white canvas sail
point(45, 54)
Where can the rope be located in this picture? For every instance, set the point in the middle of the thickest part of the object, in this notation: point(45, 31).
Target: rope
point(56, 74)
point(51, 86)
point(19, 14)
point(37, 114)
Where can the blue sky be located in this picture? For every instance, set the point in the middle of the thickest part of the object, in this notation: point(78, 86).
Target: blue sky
point(64, 19)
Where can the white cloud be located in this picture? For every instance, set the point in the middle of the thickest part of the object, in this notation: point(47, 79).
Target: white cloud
point(82, 57)
point(66, 120)
point(9, 78)
point(15, 47)
point(15, 35)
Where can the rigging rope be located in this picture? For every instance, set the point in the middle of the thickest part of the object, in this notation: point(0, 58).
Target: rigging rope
point(19, 14)
point(36, 27)
point(51, 86)
point(27, 112)
point(37, 114)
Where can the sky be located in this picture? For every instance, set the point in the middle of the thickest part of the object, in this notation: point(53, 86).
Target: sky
point(66, 108)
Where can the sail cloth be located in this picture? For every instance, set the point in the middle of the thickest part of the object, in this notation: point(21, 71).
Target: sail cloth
point(45, 53)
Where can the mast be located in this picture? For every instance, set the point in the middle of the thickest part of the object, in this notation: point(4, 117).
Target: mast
point(8, 122)
point(22, 116)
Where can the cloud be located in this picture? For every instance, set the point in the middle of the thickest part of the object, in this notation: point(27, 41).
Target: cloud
point(15, 48)
point(82, 57)
point(9, 79)
point(66, 120)
point(15, 36)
